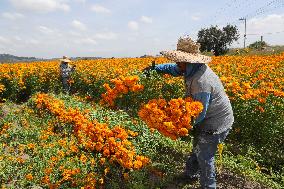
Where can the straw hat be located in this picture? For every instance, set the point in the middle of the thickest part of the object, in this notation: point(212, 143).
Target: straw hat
point(187, 51)
point(65, 59)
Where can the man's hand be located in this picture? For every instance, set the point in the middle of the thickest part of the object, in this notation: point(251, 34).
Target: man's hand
point(147, 70)
point(73, 67)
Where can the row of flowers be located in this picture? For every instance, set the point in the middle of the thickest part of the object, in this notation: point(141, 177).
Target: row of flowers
point(245, 77)
point(112, 143)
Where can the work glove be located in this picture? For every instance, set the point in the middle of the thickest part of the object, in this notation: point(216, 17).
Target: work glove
point(73, 67)
point(146, 71)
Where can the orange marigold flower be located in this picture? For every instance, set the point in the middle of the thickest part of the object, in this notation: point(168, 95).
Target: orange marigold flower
point(183, 132)
point(29, 176)
point(31, 146)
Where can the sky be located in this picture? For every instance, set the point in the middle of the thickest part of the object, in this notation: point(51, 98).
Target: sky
point(127, 28)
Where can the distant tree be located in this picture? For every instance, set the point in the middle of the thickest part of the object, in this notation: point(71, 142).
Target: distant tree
point(258, 45)
point(217, 40)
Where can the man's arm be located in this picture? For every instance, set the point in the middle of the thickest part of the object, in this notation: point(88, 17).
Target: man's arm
point(204, 98)
point(61, 69)
point(73, 68)
point(169, 68)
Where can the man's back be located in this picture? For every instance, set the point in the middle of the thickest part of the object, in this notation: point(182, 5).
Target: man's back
point(219, 116)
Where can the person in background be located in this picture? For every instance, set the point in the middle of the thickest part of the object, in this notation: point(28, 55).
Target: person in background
point(65, 71)
point(215, 121)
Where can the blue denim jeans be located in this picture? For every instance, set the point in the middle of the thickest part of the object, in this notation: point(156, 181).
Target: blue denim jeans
point(66, 84)
point(202, 158)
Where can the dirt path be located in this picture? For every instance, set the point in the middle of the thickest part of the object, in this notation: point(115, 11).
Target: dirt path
point(225, 180)
point(5, 110)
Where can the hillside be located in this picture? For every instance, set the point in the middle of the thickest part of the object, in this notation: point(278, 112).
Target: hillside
point(12, 58)
point(8, 58)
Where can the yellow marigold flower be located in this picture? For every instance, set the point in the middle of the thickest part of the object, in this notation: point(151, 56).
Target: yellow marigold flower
point(126, 176)
point(2, 88)
point(102, 161)
point(137, 164)
point(101, 181)
point(74, 148)
point(83, 158)
point(220, 148)
point(106, 171)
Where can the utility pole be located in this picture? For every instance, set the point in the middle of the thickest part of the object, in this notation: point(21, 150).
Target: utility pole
point(245, 35)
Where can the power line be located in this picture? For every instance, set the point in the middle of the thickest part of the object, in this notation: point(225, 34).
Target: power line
point(275, 4)
point(230, 10)
point(268, 33)
point(268, 7)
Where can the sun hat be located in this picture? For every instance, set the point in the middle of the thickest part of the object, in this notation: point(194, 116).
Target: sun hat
point(187, 51)
point(65, 59)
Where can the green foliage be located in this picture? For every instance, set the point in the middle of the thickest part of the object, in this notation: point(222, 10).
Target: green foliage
point(264, 131)
point(248, 167)
point(217, 40)
point(258, 45)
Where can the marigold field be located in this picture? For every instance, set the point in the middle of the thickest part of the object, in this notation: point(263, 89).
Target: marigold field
point(120, 128)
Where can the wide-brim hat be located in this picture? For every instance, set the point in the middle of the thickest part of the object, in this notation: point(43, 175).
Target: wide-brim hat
point(65, 59)
point(187, 51)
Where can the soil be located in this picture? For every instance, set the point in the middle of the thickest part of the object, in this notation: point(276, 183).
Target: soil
point(5, 109)
point(225, 180)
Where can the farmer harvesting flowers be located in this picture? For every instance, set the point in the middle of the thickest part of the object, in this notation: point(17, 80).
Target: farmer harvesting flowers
point(214, 122)
point(65, 70)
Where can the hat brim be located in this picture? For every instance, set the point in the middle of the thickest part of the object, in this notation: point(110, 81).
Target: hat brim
point(181, 56)
point(65, 60)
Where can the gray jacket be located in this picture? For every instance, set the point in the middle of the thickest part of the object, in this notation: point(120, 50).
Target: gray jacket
point(65, 70)
point(219, 116)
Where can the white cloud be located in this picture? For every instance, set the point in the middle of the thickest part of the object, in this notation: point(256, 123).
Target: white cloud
point(80, 1)
point(17, 38)
point(33, 42)
point(100, 9)
point(133, 25)
point(88, 41)
point(106, 35)
point(270, 23)
point(75, 33)
point(79, 25)
point(12, 15)
point(45, 30)
point(41, 6)
point(195, 17)
point(4, 40)
point(146, 19)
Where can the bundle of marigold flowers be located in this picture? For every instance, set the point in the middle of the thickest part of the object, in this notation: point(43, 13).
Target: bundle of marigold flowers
point(122, 85)
point(172, 119)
